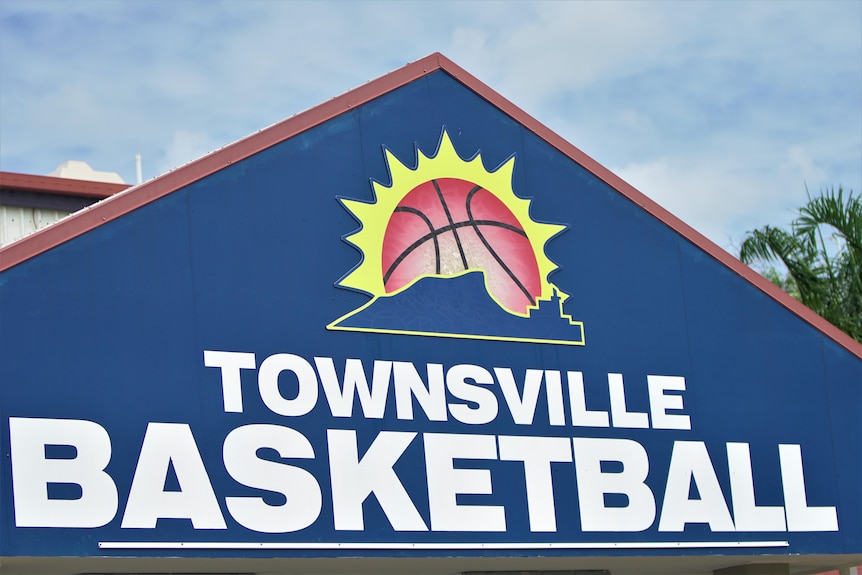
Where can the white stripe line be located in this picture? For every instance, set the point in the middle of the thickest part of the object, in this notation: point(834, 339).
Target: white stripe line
point(438, 546)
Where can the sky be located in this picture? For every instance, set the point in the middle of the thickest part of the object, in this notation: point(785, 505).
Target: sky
point(724, 113)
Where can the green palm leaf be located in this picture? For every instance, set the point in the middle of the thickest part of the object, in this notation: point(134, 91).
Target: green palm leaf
point(822, 254)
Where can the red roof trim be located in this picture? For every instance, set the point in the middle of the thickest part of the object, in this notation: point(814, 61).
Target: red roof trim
point(59, 186)
point(123, 203)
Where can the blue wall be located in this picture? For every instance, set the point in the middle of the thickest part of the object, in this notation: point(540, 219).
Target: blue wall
point(111, 326)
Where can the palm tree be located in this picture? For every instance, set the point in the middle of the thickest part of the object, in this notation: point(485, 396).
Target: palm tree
point(824, 276)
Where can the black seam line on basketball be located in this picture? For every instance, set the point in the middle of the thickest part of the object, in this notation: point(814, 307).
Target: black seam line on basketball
point(451, 223)
point(427, 220)
point(415, 245)
point(506, 269)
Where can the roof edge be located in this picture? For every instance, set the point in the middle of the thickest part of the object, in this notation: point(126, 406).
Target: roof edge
point(63, 186)
point(131, 199)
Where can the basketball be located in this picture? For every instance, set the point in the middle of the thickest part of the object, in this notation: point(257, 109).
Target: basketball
point(447, 226)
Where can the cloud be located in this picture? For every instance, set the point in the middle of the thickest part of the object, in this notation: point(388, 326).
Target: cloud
point(747, 101)
point(723, 197)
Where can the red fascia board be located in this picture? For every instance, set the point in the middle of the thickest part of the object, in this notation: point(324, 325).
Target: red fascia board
point(59, 186)
point(123, 203)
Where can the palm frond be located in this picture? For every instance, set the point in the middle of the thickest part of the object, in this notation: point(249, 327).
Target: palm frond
point(828, 280)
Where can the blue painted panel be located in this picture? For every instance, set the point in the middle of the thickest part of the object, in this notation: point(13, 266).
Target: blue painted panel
point(111, 328)
point(845, 415)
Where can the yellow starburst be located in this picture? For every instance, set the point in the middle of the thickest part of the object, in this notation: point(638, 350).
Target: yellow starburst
point(374, 216)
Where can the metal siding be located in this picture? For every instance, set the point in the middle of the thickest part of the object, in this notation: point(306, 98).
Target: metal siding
point(17, 222)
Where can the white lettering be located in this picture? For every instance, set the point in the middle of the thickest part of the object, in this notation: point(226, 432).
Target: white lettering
point(306, 380)
point(341, 398)
point(659, 402)
point(230, 362)
point(522, 407)
point(801, 517)
point(689, 462)
point(593, 483)
point(300, 489)
point(538, 453)
point(747, 515)
point(354, 479)
point(554, 389)
point(485, 400)
point(409, 384)
point(166, 445)
point(619, 415)
point(581, 417)
point(445, 483)
point(33, 472)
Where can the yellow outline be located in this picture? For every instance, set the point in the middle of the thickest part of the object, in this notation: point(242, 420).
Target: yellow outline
point(335, 327)
point(374, 217)
point(445, 163)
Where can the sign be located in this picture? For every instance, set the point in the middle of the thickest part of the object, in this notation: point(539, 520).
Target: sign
point(439, 221)
point(413, 328)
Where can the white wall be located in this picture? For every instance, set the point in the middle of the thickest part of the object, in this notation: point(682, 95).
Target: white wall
point(15, 222)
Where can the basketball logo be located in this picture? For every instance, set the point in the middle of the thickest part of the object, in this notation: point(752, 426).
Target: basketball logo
point(449, 250)
point(448, 226)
